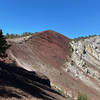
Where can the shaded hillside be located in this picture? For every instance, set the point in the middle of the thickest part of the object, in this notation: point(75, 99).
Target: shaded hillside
point(17, 83)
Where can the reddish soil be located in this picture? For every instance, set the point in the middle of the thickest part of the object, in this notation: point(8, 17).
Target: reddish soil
point(52, 47)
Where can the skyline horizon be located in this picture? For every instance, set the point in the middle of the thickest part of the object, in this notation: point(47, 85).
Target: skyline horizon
point(72, 18)
point(51, 30)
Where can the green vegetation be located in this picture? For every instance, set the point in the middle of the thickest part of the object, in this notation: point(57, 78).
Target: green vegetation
point(85, 37)
point(11, 36)
point(3, 45)
point(82, 97)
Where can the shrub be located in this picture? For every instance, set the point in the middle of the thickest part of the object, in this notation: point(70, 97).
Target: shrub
point(82, 97)
point(12, 35)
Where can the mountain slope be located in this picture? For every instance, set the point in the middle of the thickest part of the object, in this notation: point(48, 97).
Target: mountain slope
point(17, 83)
point(48, 47)
point(71, 65)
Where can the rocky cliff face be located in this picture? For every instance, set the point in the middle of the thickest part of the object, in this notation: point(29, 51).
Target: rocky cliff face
point(84, 63)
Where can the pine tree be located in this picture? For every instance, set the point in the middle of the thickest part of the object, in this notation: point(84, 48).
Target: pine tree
point(3, 45)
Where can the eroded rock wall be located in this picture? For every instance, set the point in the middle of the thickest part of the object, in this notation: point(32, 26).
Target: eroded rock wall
point(84, 63)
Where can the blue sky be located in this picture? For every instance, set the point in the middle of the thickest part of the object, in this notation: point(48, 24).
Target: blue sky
point(72, 18)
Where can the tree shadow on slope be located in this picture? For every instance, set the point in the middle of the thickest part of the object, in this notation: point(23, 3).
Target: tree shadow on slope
point(29, 82)
point(6, 93)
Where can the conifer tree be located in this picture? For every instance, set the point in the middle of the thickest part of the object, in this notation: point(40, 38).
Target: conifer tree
point(3, 45)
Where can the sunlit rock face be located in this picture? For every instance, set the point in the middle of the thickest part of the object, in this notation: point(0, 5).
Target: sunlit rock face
point(85, 61)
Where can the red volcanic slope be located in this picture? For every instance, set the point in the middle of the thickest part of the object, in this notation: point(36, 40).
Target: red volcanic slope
point(48, 46)
point(52, 47)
